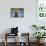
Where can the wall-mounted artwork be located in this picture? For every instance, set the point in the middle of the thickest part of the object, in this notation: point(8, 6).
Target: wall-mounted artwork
point(41, 8)
point(17, 12)
point(41, 12)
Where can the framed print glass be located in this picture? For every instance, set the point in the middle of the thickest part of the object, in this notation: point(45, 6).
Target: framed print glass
point(41, 12)
point(17, 12)
point(41, 8)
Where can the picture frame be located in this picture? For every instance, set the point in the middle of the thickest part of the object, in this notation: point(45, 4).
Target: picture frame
point(17, 12)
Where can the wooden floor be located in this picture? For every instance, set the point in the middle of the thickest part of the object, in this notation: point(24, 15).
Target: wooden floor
point(13, 44)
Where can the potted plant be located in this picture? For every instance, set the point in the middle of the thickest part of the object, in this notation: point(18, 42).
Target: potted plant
point(35, 26)
point(39, 36)
point(42, 27)
point(38, 27)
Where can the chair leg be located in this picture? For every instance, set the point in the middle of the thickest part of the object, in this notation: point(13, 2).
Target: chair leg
point(5, 40)
point(5, 43)
point(17, 39)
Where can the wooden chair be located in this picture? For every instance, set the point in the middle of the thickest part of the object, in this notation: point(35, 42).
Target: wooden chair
point(27, 37)
point(8, 34)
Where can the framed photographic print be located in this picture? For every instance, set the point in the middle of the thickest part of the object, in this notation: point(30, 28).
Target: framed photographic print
point(17, 12)
point(41, 8)
point(41, 12)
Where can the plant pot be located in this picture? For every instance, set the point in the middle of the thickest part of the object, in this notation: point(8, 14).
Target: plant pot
point(38, 40)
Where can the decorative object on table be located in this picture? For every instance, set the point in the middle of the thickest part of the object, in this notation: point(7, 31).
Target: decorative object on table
point(14, 30)
point(17, 12)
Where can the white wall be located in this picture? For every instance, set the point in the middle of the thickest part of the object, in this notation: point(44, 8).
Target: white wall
point(23, 23)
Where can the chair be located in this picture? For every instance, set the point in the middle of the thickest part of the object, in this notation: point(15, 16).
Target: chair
point(25, 43)
point(14, 32)
point(9, 37)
